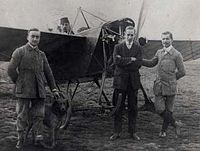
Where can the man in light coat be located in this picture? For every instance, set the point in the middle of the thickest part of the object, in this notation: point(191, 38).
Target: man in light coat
point(28, 69)
point(170, 68)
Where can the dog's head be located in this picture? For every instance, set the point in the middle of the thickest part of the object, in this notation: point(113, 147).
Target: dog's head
point(61, 104)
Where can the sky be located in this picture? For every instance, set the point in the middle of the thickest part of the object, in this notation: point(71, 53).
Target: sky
point(181, 17)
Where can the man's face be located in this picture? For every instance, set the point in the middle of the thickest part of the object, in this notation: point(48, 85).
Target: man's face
point(130, 35)
point(166, 40)
point(34, 38)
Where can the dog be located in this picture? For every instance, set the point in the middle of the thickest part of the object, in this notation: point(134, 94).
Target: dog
point(58, 109)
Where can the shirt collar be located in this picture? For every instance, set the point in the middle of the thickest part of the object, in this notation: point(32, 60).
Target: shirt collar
point(129, 44)
point(168, 49)
point(33, 47)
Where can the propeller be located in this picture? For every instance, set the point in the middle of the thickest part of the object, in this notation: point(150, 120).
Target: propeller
point(141, 20)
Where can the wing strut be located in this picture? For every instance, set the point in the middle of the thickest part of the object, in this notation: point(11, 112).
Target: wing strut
point(104, 95)
point(104, 70)
point(84, 18)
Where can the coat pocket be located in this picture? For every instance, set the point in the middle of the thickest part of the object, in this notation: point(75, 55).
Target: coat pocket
point(135, 80)
point(18, 87)
point(120, 81)
point(173, 87)
point(169, 88)
point(157, 87)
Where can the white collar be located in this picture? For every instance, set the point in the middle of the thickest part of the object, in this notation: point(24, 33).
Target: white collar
point(129, 44)
point(33, 47)
point(168, 48)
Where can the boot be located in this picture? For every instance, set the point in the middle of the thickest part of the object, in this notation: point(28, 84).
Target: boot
point(20, 142)
point(162, 134)
point(37, 130)
point(115, 136)
point(135, 136)
point(166, 120)
point(178, 129)
point(36, 137)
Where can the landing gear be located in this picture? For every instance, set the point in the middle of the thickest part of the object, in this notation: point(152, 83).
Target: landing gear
point(148, 105)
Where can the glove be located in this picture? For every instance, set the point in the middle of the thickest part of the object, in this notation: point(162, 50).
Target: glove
point(56, 93)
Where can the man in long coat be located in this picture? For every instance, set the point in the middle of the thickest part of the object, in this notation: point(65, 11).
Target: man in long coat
point(127, 58)
point(28, 69)
point(170, 68)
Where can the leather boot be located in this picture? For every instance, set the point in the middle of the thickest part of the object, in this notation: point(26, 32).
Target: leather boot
point(20, 142)
point(37, 130)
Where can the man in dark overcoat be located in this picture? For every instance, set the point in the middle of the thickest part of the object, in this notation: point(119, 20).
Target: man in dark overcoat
point(127, 58)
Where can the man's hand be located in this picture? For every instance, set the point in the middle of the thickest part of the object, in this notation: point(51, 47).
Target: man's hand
point(56, 93)
point(118, 56)
point(133, 59)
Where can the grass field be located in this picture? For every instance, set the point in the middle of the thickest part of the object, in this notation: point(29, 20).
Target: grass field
point(90, 130)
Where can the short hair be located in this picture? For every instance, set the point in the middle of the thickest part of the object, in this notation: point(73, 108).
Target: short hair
point(130, 28)
point(33, 29)
point(168, 33)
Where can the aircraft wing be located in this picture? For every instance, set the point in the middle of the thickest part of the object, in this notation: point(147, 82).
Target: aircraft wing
point(12, 38)
point(68, 55)
point(188, 48)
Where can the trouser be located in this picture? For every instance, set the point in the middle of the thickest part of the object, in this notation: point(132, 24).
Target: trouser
point(119, 97)
point(29, 111)
point(164, 106)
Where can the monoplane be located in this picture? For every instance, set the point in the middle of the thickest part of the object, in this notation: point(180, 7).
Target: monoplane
point(86, 55)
